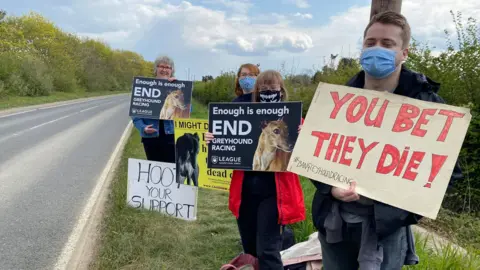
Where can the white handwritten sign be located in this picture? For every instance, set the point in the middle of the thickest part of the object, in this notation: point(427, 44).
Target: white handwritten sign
point(399, 150)
point(152, 186)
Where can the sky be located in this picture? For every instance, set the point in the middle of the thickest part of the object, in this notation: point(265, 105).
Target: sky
point(207, 37)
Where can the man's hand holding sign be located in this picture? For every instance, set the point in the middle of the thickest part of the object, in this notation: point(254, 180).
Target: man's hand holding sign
point(398, 150)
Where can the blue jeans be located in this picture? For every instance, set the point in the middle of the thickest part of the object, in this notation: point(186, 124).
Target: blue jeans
point(343, 255)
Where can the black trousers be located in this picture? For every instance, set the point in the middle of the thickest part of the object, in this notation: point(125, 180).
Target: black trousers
point(161, 149)
point(260, 231)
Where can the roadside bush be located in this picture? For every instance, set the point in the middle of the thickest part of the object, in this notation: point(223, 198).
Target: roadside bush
point(3, 89)
point(221, 89)
point(9, 64)
point(17, 85)
point(64, 81)
point(36, 76)
point(37, 58)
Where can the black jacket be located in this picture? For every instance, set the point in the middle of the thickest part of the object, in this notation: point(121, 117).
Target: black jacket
point(244, 98)
point(387, 218)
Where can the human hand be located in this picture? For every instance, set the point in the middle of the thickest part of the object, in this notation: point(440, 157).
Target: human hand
point(208, 137)
point(149, 130)
point(171, 79)
point(300, 128)
point(346, 195)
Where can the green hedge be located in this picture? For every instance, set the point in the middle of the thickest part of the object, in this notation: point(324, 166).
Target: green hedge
point(37, 58)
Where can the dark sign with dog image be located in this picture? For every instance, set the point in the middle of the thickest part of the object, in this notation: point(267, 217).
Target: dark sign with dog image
point(191, 157)
point(160, 99)
point(253, 136)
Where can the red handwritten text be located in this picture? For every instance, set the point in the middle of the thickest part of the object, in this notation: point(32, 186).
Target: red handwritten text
point(359, 107)
point(392, 161)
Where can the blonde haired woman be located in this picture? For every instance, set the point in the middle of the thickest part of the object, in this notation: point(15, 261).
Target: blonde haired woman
point(263, 202)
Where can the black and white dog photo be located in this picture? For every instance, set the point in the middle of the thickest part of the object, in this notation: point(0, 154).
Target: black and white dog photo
point(187, 148)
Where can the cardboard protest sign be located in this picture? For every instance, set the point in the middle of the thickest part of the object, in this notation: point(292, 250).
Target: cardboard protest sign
point(191, 156)
point(152, 186)
point(253, 136)
point(160, 99)
point(400, 151)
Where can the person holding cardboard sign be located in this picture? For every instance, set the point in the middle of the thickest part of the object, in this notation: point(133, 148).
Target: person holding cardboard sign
point(263, 202)
point(355, 231)
point(157, 135)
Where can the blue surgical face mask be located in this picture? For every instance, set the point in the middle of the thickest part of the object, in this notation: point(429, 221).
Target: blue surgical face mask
point(378, 62)
point(247, 83)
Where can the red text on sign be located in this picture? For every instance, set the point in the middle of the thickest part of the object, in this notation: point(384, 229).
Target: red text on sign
point(411, 117)
point(392, 161)
point(339, 146)
point(360, 107)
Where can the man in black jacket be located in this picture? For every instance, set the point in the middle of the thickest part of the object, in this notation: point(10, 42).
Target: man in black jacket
point(355, 231)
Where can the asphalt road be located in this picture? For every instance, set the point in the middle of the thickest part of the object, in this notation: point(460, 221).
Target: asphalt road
point(50, 160)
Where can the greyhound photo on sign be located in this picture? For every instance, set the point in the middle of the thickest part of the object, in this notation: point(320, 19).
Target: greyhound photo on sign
point(191, 157)
point(253, 136)
point(160, 99)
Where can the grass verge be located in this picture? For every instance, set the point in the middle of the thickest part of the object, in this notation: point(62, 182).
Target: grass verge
point(443, 257)
point(10, 102)
point(133, 239)
point(463, 229)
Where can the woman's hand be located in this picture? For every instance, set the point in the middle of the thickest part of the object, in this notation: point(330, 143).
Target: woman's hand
point(208, 137)
point(346, 195)
point(300, 128)
point(171, 79)
point(149, 130)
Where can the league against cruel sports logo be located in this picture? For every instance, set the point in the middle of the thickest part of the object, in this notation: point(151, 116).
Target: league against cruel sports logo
point(214, 160)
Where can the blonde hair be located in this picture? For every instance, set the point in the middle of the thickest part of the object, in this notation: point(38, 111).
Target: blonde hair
point(269, 77)
point(253, 69)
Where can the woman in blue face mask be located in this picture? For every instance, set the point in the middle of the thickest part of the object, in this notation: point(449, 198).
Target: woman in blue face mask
point(246, 77)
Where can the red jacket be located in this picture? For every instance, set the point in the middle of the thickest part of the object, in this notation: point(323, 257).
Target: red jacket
point(290, 203)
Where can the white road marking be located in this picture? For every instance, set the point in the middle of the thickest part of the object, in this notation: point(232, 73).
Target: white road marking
point(73, 103)
point(84, 110)
point(46, 123)
point(55, 106)
point(84, 217)
point(13, 114)
point(49, 122)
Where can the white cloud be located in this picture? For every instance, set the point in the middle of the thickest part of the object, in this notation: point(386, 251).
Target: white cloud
point(208, 29)
point(238, 6)
point(299, 3)
point(344, 33)
point(216, 31)
point(230, 35)
point(303, 15)
point(109, 37)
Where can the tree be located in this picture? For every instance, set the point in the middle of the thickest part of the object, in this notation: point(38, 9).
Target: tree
point(346, 63)
point(3, 13)
point(207, 78)
point(37, 58)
